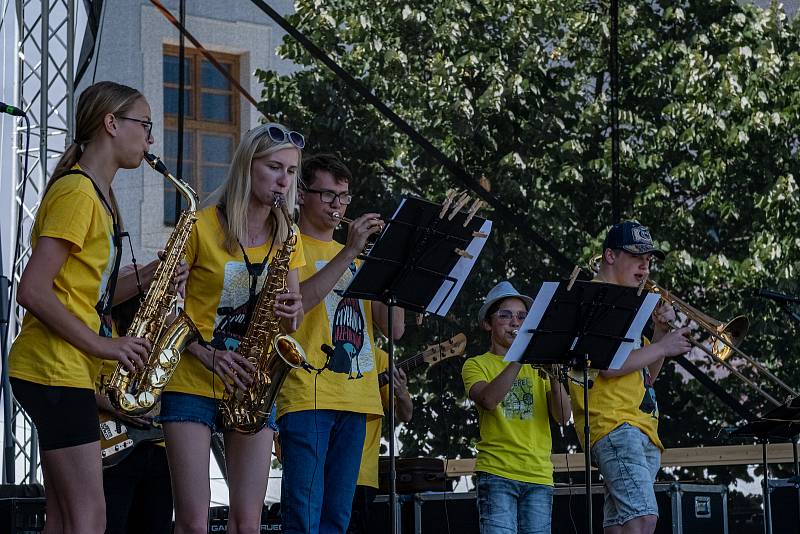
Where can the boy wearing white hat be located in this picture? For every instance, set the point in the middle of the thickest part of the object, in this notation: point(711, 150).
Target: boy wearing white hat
point(514, 470)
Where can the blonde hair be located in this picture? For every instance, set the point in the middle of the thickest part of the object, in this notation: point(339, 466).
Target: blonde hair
point(95, 102)
point(234, 194)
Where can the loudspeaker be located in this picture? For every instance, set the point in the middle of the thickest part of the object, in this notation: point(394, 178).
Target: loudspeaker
point(218, 519)
point(784, 496)
point(21, 515)
point(682, 508)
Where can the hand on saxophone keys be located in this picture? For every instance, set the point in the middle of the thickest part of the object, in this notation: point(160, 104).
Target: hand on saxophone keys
point(289, 306)
point(235, 370)
point(131, 352)
point(360, 230)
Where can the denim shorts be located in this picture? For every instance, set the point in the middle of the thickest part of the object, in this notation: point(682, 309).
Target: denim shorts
point(629, 462)
point(188, 408)
point(510, 506)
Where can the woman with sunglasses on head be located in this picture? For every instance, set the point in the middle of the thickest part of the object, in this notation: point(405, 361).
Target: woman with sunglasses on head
point(68, 287)
point(228, 252)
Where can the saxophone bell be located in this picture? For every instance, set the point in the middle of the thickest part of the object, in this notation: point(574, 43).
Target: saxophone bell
point(290, 350)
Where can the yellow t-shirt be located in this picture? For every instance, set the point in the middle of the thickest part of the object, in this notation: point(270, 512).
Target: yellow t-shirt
point(368, 473)
point(617, 400)
point(72, 211)
point(350, 384)
point(217, 294)
point(515, 436)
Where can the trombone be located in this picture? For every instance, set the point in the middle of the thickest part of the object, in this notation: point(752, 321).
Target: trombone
point(726, 338)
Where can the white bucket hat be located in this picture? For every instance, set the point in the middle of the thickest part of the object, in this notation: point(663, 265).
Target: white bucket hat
point(501, 291)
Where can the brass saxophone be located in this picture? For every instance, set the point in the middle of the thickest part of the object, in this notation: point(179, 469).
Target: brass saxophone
point(136, 393)
point(273, 354)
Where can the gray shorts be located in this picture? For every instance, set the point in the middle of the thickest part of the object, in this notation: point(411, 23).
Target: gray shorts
point(629, 462)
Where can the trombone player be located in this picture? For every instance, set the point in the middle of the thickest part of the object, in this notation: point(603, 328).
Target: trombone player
point(622, 405)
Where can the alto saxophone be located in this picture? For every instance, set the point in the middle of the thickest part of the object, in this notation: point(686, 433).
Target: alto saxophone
point(272, 353)
point(136, 392)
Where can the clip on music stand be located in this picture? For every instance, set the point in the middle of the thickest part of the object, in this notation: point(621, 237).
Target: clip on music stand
point(779, 424)
point(583, 325)
point(419, 262)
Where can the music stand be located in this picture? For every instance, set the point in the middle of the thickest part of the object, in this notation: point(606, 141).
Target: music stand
point(583, 325)
point(419, 263)
point(779, 424)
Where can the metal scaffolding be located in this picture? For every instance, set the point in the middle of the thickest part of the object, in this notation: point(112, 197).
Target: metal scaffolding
point(45, 70)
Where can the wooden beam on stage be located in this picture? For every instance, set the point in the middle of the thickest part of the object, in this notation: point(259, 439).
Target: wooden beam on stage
point(778, 453)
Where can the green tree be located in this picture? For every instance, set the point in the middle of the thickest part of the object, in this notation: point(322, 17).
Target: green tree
point(517, 92)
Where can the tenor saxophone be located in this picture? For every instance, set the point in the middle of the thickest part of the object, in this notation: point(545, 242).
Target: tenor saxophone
point(136, 392)
point(272, 353)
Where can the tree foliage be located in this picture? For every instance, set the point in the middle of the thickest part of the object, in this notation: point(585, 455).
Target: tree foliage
point(518, 92)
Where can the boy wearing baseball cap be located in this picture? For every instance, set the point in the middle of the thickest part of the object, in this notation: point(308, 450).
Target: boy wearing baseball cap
point(514, 470)
point(623, 413)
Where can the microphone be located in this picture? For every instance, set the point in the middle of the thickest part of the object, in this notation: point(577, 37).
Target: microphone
point(11, 110)
point(774, 295)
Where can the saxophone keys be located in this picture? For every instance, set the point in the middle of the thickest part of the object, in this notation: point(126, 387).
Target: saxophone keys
point(168, 358)
point(158, 377)
point(127, 402)
point(146, 399)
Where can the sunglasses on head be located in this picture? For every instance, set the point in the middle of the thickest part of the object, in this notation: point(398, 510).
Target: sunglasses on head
point(281, 135)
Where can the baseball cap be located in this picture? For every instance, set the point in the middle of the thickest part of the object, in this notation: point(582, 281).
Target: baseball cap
point(631, 237)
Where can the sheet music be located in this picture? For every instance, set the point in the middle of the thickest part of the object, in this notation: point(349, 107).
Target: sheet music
point(635, 330)
point(531, 322)
point(441, 302)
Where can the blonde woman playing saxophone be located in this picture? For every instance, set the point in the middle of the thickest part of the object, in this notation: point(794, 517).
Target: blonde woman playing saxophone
point(231, 245)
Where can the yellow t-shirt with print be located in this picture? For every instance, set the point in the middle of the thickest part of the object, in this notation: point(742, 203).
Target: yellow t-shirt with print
point(71, 211)
point(614, 401)
point(350, 383)
point(217, 294)
point(368, 472)
point(515, 437)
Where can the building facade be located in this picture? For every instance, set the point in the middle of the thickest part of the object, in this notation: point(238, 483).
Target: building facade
point(139, 47)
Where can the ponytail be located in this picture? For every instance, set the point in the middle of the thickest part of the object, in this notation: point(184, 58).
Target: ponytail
point(94, 104)
point(68, 160)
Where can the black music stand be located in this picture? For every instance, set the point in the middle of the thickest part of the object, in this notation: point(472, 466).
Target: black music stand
point(583, 325)
point(779, 424)
point(419, 263)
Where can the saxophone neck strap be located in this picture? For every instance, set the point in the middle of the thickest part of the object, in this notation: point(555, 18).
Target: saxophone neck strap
point(104, 305)
point(253, 270)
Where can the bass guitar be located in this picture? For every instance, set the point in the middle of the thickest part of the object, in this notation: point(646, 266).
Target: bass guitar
point(455, 346)
point(118, 437)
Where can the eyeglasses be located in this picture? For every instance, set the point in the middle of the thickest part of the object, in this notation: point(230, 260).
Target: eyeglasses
point(506, 315)
point(279, 135)
point(147, 124)
point(328, 197)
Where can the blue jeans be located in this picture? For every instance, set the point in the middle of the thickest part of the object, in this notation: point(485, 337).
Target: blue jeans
point(508, 506)
point(321, 457)
point(629, 462)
